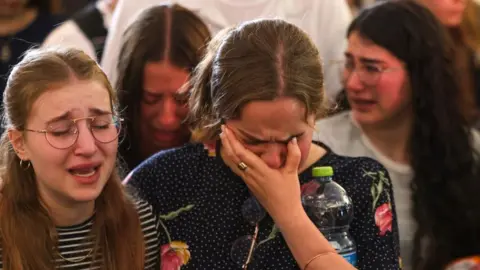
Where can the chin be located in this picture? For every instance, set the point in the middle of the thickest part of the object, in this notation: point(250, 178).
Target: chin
point(84, 196)
point(453, 21)
point(364, 118)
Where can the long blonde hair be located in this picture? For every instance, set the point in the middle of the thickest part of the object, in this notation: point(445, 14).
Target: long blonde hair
point(27, 232)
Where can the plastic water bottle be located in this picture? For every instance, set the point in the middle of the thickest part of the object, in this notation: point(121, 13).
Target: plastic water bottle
point(329, 207)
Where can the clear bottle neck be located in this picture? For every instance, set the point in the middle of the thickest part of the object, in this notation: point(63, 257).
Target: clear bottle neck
point(324, 179)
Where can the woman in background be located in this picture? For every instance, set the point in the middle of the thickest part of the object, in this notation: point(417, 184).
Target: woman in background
point(402, 89)
point(160, 50)
point(456, 16)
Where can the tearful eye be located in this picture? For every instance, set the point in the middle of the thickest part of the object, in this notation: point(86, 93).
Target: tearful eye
point(373, 69)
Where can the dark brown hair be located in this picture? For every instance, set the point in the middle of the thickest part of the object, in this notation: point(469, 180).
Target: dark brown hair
point(27, 232)
point(258, 60)
point(445, 184)
point(161, 33)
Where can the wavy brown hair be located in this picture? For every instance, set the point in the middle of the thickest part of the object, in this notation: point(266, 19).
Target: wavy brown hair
point(258, 60)
point(165, 32)
point(27, 233)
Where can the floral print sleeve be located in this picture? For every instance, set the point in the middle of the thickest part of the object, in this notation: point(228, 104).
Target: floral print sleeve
point(374, 226)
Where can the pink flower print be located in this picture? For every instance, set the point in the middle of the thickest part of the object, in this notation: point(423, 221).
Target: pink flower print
point(174, 255)
point(210, 147)
point(383, 218)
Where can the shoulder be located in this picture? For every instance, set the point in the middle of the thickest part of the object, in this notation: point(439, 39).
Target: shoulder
point(356, 164)
point(175, 158)
point(166, 167)
point(358, 173)
point(336, 130)
point(144, 209)
point(69, 34)
point(340, 120)
point(149, 223)
point(147, 216)
point(67, 28)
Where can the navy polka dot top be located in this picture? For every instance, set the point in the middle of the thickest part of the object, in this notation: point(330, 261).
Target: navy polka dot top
point(199, 200)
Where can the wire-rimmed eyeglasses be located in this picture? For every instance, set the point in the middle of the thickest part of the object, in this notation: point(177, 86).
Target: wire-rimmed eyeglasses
point(62, 134)
point(368, 73)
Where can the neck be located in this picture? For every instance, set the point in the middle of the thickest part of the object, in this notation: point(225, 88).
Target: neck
point(15, 24)
point(391, 139)
point(315, 153)
point(69, 214)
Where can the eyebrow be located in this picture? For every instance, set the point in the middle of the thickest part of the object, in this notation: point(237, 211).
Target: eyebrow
point(66, 115)
point(97, 111)
point(152, 93)
point(255, 139)
point(365, 60)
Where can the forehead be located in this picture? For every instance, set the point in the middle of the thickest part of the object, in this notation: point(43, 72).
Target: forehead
point(77, 97)
point(359, 47)
point(162, 77)
point(276, 115)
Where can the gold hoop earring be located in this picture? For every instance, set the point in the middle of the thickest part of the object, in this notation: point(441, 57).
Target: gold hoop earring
point(23, 166)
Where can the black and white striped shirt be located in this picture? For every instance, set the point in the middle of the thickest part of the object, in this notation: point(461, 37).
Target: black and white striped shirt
point(76, 243)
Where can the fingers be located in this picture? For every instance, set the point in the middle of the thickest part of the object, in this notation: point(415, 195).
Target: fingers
point(293, 157)
point(227, 148)
point(232, 160)
point(243, 154)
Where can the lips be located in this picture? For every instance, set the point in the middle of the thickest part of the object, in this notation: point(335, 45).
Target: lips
point(362, 104)
point(84, 170)
point(165, 136)
point(363, 101)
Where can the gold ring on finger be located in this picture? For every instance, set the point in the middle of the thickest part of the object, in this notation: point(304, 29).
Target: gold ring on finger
point(242, 166)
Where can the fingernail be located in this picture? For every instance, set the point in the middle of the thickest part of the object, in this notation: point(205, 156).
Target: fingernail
point(294, 140)
point(222, 127)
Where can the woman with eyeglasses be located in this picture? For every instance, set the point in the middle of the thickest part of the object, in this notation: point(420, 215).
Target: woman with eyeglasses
point(402, 91)
point(254, 101)
point(62, 204)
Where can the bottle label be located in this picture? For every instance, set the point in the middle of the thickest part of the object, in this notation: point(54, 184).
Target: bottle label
point(350, 257)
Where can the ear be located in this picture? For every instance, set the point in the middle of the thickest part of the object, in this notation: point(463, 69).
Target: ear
point(18, 142)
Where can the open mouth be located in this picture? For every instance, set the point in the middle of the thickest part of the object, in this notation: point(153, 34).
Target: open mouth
point(84, 172)
point(364, 102)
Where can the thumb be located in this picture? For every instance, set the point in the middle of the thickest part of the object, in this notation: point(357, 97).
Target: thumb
point(293, 157)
